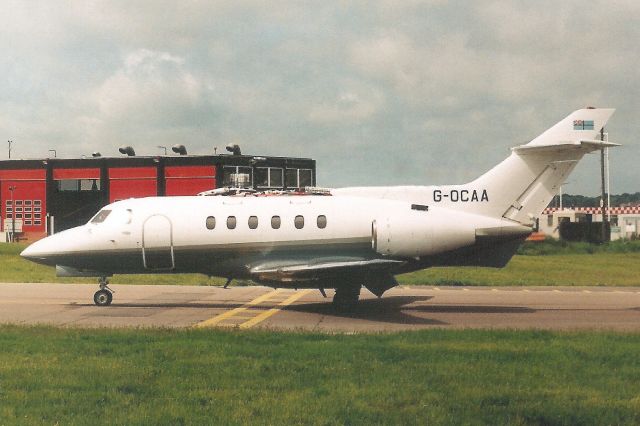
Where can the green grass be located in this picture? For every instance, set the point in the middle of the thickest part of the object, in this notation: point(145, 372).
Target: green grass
point(79, 376)
point(601, 269)
point(553, 247)
point(550, 263)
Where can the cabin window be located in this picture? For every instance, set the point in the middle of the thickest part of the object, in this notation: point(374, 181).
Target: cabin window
point(275, 222)
point(322, 221)
point(550, 220)
point(253, 222)
point(211, 222)
point(299, 222)
point(231, 222)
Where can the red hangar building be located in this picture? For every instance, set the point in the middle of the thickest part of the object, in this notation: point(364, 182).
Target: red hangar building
point(40, 197)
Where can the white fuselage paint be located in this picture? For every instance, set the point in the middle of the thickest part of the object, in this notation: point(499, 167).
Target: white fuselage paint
point(179, 225)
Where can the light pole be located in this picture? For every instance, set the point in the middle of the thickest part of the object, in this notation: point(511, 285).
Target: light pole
point(604, 207)
point(163, 147)
point(563, 183)
point(10, 143)
point(55, 153)
point(13, 216)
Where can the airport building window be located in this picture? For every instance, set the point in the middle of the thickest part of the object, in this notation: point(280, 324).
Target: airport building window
point(77, 185)
point(304, 178)
point(613, 220)
point(253, 222)
point(275, 222)
point(236, 176)
point(292, 178)
point(269, 177)
point(299, 222)
point(275, 177)
point(231, 222)
point(299, 178)
point(262, 176)
point(211, 222)
point(322, 221)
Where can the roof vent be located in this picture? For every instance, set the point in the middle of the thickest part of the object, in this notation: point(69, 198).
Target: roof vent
point(234, 148)
point(127, 150)
point(179, 149)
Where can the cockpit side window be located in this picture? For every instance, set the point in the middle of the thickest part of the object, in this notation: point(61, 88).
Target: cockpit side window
point(101, 216)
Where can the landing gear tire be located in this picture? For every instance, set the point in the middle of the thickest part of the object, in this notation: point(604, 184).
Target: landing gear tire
point(346, 298)
point(103, 297)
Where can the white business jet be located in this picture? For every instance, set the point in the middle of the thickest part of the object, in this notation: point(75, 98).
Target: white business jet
point(341, 239)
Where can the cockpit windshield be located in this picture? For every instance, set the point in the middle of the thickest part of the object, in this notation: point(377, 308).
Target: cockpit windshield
point(101, 216)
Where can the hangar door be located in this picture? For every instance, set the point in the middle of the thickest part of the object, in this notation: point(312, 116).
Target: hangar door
point(157, 243)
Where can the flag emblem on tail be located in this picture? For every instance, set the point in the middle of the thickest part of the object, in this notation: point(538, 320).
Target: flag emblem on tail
point(582, 124)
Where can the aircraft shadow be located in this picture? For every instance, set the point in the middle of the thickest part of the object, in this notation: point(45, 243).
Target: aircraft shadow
point(168, 305)
point(389, 309)
point(399, 309)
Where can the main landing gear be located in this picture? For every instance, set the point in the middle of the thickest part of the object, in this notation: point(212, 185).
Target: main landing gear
point(346, 298)
point(104, 296)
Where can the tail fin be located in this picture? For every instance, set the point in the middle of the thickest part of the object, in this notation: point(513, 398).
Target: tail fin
point(524, 184)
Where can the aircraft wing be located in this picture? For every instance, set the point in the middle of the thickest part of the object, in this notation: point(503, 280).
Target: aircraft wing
point(290, 272)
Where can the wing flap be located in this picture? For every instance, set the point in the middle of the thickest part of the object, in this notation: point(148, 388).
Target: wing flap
point(317, 270)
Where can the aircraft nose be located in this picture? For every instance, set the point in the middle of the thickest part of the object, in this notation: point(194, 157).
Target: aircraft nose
point(43, 251)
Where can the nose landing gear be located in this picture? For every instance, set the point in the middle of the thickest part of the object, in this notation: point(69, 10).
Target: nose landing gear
point(104, 296)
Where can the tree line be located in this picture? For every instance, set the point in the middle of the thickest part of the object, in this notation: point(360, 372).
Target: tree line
point(617, 200)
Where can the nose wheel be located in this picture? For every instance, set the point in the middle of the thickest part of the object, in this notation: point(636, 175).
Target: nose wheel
point(104, 296)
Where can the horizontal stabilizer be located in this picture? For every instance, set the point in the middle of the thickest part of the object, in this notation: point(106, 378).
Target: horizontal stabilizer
point(590, 145)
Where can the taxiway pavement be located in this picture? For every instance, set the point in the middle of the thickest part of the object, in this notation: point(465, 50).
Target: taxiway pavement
point(402, 308)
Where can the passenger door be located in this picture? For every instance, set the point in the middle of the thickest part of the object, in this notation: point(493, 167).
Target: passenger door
point(157, 243)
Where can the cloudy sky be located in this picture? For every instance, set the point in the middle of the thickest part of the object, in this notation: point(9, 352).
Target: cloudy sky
point(379, 93)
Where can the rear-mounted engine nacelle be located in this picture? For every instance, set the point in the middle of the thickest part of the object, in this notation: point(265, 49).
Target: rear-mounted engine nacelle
point(418, 234)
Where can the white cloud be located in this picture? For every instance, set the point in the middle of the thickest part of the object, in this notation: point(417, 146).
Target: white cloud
point(351, 106)
point(429, 80)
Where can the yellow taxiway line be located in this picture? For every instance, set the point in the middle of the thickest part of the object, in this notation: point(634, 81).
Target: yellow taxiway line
point(249, 314)
point(263, 316)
